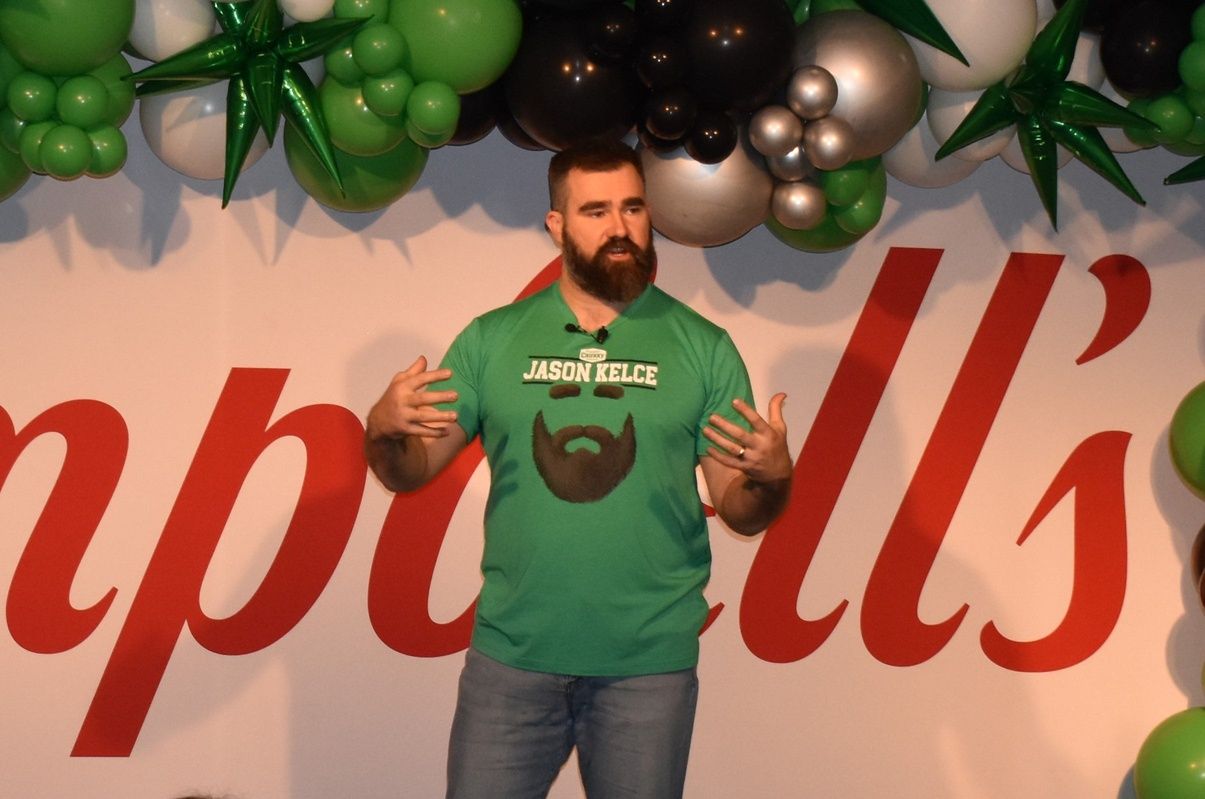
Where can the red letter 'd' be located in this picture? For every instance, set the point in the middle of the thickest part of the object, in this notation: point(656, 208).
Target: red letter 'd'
point(169, 594)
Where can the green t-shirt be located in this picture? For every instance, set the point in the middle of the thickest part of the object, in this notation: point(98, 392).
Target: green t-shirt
point(596, 549)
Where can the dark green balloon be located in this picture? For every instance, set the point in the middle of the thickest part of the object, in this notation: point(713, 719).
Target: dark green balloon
point(13, 173)
point(369, 183)
point(828, 236)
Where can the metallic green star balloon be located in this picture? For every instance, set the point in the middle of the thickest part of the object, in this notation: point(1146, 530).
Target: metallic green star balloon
point(1194, 171)
point(1050, 110)
point(262, 61)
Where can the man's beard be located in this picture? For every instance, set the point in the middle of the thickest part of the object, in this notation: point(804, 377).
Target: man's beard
point(614, 282)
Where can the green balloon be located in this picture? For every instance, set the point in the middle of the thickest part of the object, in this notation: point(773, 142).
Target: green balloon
point(387, 95)
point(1198, 24)
point(825, 6)
point(83, 101)
point(353, 126)
point(10, 68)
point(1187, 439)
point(1173, 117)
point(369, 183)
point(466, 44)
point(863, 214)
point(828, 236)
point(1192, 66)
point(845, 185)
point(340, 63)
point(13, 173)
point(31, 96)
point(121, 91)
point(1140, 136)
point(378, 49)
point(362, 9)
point(424, 139)
point(1171, 761)
point(10, 130)
point(109, 150)
point(65, 37)
point(434, 108)
point(31, 142)
point(66, 152)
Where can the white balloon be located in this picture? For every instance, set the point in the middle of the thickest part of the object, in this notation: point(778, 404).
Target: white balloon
point(1046, 10)
point(946, 111)
point(306, 10)
point(1013, 156)
point(911, 161)
point(163, 28)
point(1086, 67)
point(994, 35)
point(187, 130)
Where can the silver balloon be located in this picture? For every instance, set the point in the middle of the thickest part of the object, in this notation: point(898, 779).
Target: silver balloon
point(775, 130)
point(812, 92)
point(798, 206)
point(705, 205)
point(828, 142)
point(878, 82)
point(792, 166)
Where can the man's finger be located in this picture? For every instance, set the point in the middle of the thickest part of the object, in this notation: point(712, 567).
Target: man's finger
point(774, 412)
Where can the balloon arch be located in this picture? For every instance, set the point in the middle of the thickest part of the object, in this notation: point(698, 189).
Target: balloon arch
point(790, 113)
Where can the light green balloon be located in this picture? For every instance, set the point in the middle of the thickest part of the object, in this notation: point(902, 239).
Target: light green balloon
point(65, 37)
point(31, 142)
point(387, 95)
point(121, 92)
point(1192, 66)
point(340, 63)
point(369, 183)
point(378, 49)
point(1171, 761)
point(13, 173)
point(828, 236)
point(66, 152)
point(860, 216)
point(434, 108)
point(362, 9)
point(82, 101)
point(424, 139)
point(31, 96)
point(845, 185)
point(1173, 117)
point(10, 68)
point(353, 126)
point(11, 126)
point(466, 44)
point(1186, 438)
point(109, 151)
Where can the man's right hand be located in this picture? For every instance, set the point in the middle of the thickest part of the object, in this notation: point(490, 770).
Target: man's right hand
point(408, 409)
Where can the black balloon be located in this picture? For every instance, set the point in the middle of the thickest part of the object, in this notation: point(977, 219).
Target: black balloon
point(713, 138)
point(611, 29)
point(740, 52)
point(511, 131)
point(1141, 45)
point(669, 114)
point(662, 62)
point(478, 115)
point(656, 143)
point(560, 94)
point(661, 14)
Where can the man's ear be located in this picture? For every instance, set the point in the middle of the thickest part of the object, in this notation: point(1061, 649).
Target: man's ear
point(554, 223)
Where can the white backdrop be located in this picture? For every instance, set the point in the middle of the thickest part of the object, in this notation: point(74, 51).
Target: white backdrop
point(141, 296)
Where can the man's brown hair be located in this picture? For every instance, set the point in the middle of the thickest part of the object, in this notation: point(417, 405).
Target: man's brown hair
point(595, 155)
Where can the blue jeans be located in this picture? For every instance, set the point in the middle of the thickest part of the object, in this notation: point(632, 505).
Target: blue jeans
point(514, 729)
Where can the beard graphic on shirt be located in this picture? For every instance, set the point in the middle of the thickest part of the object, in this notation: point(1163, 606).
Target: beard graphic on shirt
point(578, 474)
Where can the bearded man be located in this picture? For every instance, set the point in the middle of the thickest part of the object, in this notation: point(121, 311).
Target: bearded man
point(595, 399)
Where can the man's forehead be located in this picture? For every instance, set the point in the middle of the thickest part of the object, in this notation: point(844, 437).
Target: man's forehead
point(622, 184)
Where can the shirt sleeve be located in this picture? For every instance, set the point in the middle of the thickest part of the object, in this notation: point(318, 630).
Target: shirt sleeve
point(464, 359)
point(728, 380)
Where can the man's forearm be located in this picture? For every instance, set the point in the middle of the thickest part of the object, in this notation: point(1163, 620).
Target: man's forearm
point(399, 463)
point(750, 506)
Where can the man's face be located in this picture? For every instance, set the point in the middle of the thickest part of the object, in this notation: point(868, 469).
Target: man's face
point(605, 234)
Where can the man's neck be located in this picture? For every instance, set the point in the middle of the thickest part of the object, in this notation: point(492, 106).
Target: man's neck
point(591, 312)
